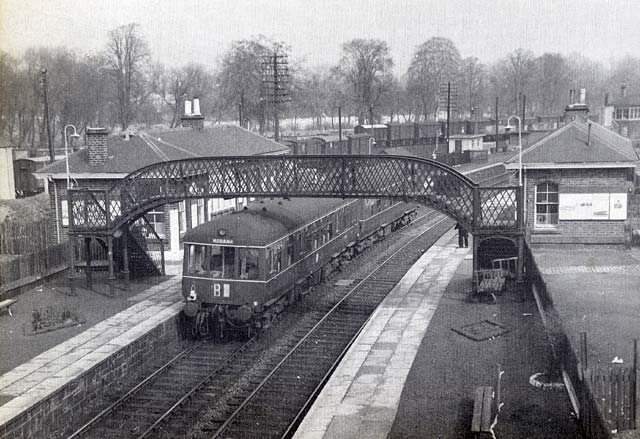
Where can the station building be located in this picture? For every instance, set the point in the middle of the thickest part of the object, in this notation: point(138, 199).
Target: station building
point(579, 181)
point(107, 159)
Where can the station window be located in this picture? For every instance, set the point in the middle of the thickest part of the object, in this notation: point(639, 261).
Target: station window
point(200, 210)
point(156, 219)
point(182, 217)
point(546, 205)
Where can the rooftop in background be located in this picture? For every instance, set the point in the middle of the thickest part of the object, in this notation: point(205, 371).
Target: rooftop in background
point(465, 136)
point(625, 101)
point(574, 144)
point(147, 148)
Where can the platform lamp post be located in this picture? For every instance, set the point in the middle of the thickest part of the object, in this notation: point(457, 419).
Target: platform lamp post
point(372, 142)
point(75, 135)
point(520, 267)
point(508, 127)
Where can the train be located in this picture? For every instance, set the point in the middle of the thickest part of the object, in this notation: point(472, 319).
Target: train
point(242, 269)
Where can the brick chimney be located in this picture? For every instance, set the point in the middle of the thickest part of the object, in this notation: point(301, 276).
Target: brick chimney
point(194, 119)
point(97, 146)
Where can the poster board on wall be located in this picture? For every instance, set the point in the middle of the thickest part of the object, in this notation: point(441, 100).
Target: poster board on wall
point(593, 206)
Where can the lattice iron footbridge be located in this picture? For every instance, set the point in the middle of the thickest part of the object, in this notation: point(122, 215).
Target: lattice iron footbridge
point(484, 211)
point(480, 209)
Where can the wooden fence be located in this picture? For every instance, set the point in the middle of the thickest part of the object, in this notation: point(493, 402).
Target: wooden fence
point(22, 268)
point(20, 239)
point(613, 390)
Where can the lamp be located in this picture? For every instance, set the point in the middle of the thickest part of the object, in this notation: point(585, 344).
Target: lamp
point(372, 142)
point(75, 135)
point(508, 128)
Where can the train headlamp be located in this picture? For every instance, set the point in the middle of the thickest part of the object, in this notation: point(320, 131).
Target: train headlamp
point(192, 294)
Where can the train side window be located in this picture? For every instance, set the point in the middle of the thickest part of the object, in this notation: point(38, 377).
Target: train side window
point(274, 258)
point(248, 260)
point(291, 250)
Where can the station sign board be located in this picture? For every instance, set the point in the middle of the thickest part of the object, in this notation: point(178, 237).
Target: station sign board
point(602, 206)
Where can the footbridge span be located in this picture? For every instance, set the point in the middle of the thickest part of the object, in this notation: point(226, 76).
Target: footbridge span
point(484, 211)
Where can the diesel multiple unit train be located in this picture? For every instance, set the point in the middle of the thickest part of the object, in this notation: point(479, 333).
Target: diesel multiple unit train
point(243, 268)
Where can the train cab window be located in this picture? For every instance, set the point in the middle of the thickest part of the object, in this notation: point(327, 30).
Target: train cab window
point(212, 261)
point(248, 260)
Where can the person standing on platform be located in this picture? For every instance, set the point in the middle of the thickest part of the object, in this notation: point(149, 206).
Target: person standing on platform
point(463, 236)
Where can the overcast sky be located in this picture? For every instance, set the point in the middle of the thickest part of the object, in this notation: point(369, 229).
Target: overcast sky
point(201, 30)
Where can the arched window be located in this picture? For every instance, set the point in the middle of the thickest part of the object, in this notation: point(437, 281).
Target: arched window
point(547, 205)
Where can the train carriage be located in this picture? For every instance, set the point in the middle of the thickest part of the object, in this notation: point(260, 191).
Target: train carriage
point(242, 269)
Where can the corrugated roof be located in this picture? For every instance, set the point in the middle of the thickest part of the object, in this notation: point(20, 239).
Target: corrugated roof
point(569, 145)
point(149, 148)
point(263, 223)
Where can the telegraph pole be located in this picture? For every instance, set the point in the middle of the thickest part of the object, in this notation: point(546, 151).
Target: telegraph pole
point(340, 123)
point(275, 85)
point(45, 97)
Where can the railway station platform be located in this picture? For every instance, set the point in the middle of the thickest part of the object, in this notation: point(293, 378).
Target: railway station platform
point(69, 374)
point(412, 374)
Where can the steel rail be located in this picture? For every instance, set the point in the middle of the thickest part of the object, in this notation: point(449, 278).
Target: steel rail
point(131, 392)
point(232, 417)
point(197, 387)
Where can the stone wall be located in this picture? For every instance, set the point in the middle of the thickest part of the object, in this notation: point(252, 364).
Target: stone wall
point(56, 413)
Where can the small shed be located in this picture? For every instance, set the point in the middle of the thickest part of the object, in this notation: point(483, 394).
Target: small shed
point(459, 143)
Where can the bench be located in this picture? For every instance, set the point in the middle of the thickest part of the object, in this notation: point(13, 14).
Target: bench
point(482, 411)
point(489, 282)
point(6, 304)
point(487, 403)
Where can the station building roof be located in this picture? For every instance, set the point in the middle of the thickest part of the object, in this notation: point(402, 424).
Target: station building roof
point(573, 146)
point(147, 148)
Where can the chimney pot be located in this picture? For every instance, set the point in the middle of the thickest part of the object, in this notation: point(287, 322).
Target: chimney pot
point(583, 95)
point(623, 90)
point(187, 107)
point(196, 106)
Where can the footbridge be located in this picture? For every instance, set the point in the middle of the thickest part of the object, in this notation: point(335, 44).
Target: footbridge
point(484, 211)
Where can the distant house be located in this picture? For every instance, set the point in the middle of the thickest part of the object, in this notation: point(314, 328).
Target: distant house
point(108, 159)
point(622, 115)
point(577, 180)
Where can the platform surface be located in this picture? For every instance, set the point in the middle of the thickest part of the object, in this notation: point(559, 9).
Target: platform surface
point(412, 372)
point(29, 383)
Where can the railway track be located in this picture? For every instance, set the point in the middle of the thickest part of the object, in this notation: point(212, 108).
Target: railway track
point(140, 409)
point(272, 405)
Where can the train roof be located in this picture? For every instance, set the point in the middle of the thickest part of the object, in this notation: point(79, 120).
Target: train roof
point(262, 223)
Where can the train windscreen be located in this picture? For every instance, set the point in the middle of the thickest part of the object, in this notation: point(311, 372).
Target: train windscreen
point(217, 261)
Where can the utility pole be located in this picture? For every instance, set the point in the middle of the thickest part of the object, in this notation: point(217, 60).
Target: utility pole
point(497, 121)
point(524, 106)
point(448, 108)
point(340, 123)
point(275, 85)
point(45, 97)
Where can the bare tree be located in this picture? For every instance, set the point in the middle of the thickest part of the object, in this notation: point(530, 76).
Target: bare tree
point(240, 78)
point(473, 79)
point(126, 55)
point(434, 62)
point(172, 86)
point(366, 67)
point(551, 83)
point(519, 68)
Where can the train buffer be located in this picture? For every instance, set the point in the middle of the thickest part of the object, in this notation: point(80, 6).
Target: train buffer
point(7, 304)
